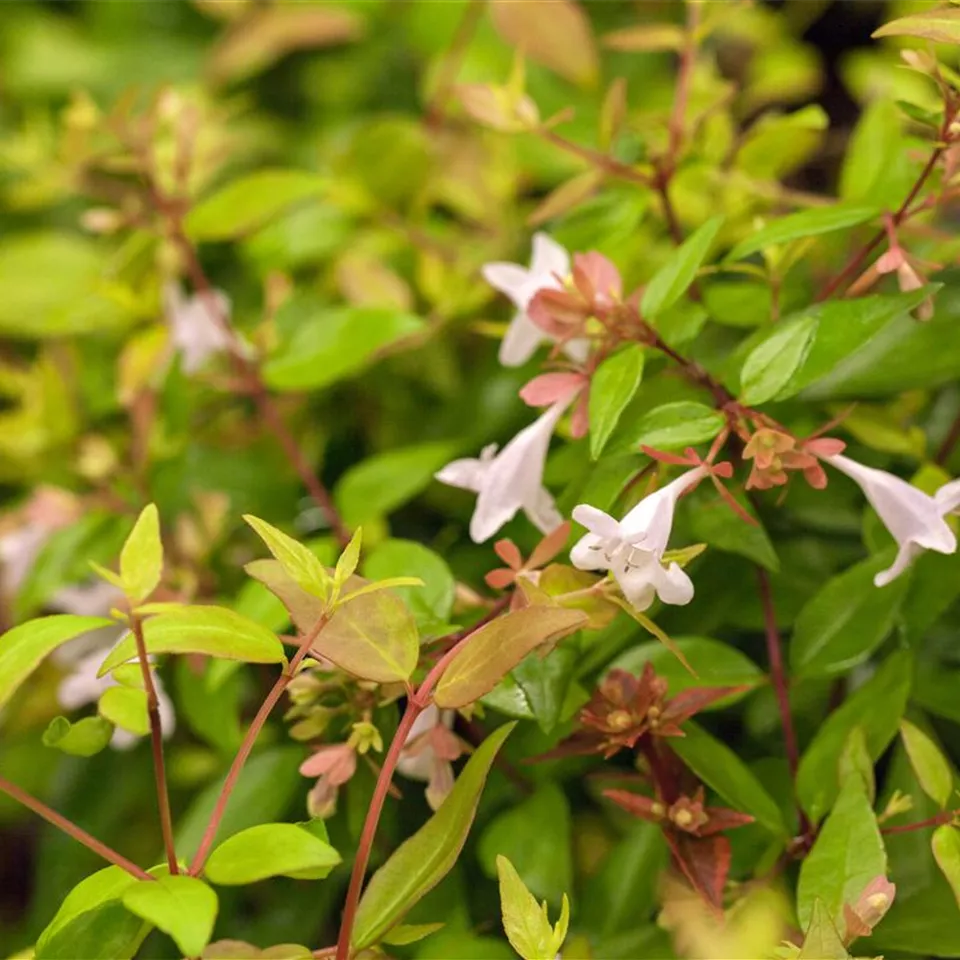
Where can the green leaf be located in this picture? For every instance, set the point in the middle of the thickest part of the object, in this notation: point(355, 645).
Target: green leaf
point(299, 561)
point(847, 855)
point(821, 941)
point(24, 647)
point(379, 484)
point(106, 932)
point(125, 707)
point(537, 836)
point(213, 631)
point(855, 761)
point(372, 637)
point(945, 844)
point(673, 279)
point(714, 522)
point(845, 621)
point(525, 922)
point(872, 151)
point(84, 738)
point(612, 387)
point(889, 687)
point(806, 223)
point(722, 770)
point(249, 202)
point(210, 708)
point(716, 664)
point(423, 860)
point(332, 344)
point(431, 603)
point(348, 560)
point(941, 25)
point(929, 764)
point(672, 426)
point(270, 850)
point(773, 363)
point(497, 647)
point(141, 559)
point(545, 683)
point(183, 907)
point(406, 933)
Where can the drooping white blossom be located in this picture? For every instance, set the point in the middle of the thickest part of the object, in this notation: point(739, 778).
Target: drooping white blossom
point(632, 549)
point(915, 519)
point(521, 285)
point(510, 480)
point(428, 752)
point(194, 329)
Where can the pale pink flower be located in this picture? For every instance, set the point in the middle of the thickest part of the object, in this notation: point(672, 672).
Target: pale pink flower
point(428, 752)
point(194, 328)
point(333, 764)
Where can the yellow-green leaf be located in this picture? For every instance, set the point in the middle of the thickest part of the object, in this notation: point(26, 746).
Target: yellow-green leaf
point(945, 844)
point(526, 922)
point(141, 559)
point(298, 561)
point(181, 906)
point(612, 387)
point(127, 708)
point(929, 764)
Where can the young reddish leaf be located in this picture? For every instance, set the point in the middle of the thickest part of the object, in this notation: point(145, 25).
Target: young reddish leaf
point(551, 388)
point(509, 553)
point(549, 546)
point(646, 808)
point(704, 861)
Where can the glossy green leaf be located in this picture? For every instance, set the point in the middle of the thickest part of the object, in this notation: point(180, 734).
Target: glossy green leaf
point(672, 426)
point(537, 836)
point(817, 777)
point(126, 708)
point(348, 560)
point(847, 855)
point(183, 907)
point(873, 149)
point(141, 559)
point(774, 362)
point(525, 922)
point(406, 933)
point(84, 738)
point(545, 683)
point(855, 761)
point(332, 344)
point(846, 620)
point(714, 522)
point(497, 647)
point(212, 631)
point(431, 603)
point(373, 637)
point(385, 481)
point(806, 223)
point(721, 769)
point(715, 664)
point(424, 859)
point(23, 648)
point(674, 278)
point(612, 387)
point(945, 844)
point(105, 932)
point(249, 202)
point(821, 940)
point(929, 764)
point(299, 561)
point(941, 25)
point(270, 850)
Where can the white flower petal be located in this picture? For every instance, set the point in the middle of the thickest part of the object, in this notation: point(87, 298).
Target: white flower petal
point(588, 553)
point(510, 279)
point(651, 520)
point(467, 474)
point(194, 328)
point(520, 342)
point(907, 553)
point(673, 585)
point(577, 350)
point(543, 512)
point(948, 497)
point(549, 258)
point(596, 521)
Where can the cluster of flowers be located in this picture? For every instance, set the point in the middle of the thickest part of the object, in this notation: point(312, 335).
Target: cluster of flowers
point(579, 307)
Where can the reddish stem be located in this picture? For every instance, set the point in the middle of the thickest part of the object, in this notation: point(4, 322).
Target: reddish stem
point(946, 816)
point(250, 738)
point(71, 829)
point(595, 158)
point(156, 742)
point(949, 442)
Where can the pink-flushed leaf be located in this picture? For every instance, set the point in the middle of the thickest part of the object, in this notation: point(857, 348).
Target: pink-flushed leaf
point(646, 808)
point(556, 34)
point(704, 861)
point(495, 649)
point(509, 553)
point(500, 579)
point(549, 546)
point(304, 608)
point(941, 25)
point(551, 388)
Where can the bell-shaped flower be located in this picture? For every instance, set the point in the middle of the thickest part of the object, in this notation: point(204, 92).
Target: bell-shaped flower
point(633, 548)
point(510, 480)
point(333, 765)
point(915, 519)
point(194, 327)
point(521, 284)
point(428, 752)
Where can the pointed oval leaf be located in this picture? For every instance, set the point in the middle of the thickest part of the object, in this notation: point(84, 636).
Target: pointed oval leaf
point(183, 907)
point(127, 708)
point(929, 764)
point(525, 924)
point(212, 631)
point(496, 648)
point(945, 844)
point(84, 738)
point(720, 768)
point(941, 25)
point(806, 223)
point(430, 603)
point(270, 850)
point(845, 621)
point(612, 387)
point(771, 364)
point(299, 561)
point(372, 636)
point(422, 861)
point(24, 647)
point(674, 278)
point(846, 856)
point(141, 559)
point(304, 608)
point(671, 426)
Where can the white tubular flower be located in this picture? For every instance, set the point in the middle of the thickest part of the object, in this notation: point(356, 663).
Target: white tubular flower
point(633, 548)
point(428, 752)
point(913, 518)
point(521, 285)
point(510, 480)
point(194, 329)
